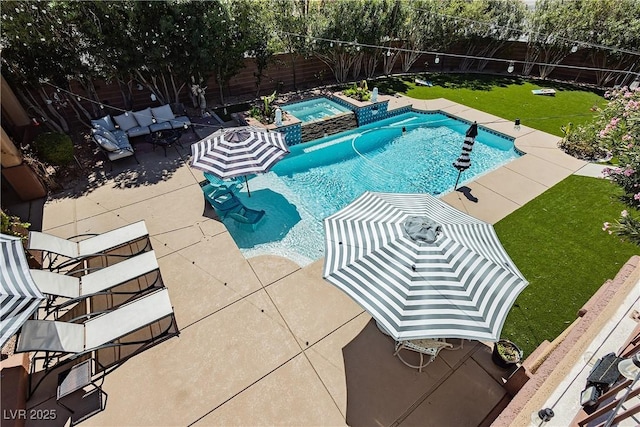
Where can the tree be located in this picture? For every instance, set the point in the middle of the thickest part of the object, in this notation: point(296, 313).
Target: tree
point(615, 24)
point(488, 26)
point(426, 28)
point(292, 24)
point(551, 29)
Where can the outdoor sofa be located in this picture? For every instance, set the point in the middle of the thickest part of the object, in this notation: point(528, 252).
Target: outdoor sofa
point(112, 134)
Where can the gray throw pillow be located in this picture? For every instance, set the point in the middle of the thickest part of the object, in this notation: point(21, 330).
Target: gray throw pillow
point(103, 123)
point(144, 117)
point(125, 121)
point(105, 143)
point(106, 134)
point(163, 114)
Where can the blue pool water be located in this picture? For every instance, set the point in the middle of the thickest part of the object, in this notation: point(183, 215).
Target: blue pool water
point(314, 109)
point(320, 177)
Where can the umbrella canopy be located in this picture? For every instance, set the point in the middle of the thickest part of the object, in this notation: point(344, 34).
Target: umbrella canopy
point(464, 161)
point(239, 151)
point(420, 267)
point(19, 295)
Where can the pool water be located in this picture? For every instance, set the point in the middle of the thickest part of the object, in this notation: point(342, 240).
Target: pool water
point(320, 177)
point(314, 109)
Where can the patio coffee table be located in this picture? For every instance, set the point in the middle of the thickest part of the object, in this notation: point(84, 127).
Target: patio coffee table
point(166, 138)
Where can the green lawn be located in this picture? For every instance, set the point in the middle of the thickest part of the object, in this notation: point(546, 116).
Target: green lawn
point(556, 239)
point(509, 98)
point(557, 242)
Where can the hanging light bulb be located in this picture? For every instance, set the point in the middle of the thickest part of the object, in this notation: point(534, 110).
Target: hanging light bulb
point(331, 44)
point(437, 60)
point(153, 97)
point(516, 124)
point(79, 99)
point(126, 113)
point(101, 107)
point(511, 67)
point(389, 52)
point(574, 48)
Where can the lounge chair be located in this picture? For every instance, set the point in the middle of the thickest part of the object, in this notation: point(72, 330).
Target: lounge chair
point(221, 198)
point(233, 184)
point(424, 347)
point(103, 329)
point(101, 281)
point(67, 341)
point(94, 245)
point(245, 215)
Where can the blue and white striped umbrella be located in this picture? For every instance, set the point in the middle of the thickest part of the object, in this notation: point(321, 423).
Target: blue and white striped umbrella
point(238, 151)
point(420, 267)
point(19, 295)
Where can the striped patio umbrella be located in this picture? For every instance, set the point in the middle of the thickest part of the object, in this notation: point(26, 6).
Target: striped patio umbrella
point(463, 162)
point(421, 268)
point(239, 151)
point(19, 295)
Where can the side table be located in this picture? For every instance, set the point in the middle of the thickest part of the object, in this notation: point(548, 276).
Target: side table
point(74, 379)
point(166, 138)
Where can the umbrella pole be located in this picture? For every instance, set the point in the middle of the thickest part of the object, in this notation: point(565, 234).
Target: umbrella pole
point(247, 183)
point(455, 187)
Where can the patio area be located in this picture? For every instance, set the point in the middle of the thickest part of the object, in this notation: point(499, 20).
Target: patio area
point(266, 342)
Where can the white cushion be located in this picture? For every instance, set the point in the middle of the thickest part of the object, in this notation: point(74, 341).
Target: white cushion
point(105, 142)
point(103, 123)
point(126, 122)
point(144, 117)
point(163, 114)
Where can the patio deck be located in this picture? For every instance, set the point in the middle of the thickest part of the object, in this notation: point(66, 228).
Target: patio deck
point(265, 342)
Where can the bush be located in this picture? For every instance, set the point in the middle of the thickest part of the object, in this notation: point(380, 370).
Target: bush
point(581, 142)
point(361, 93)
point(54, 148)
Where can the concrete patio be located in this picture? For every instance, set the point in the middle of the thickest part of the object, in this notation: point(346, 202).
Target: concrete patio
point(266, 342)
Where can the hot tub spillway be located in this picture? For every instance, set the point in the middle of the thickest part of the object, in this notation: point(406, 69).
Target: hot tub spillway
point(328, 126)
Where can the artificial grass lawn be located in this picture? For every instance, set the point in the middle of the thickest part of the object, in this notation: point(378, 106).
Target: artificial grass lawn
point(557, 242)
point(505, 97)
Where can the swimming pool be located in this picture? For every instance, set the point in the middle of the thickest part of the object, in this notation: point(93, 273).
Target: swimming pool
point(320, 177)
point(314, 109)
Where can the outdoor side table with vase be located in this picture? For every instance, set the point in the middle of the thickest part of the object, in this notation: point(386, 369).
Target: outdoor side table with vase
point(165, 138)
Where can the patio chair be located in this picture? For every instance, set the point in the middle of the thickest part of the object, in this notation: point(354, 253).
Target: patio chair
point(67, 341)
point(424, 347)
point(93, 245)
point(221, 198)
point(102, 281)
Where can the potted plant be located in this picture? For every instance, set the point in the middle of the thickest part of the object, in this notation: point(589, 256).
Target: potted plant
point(506, 353)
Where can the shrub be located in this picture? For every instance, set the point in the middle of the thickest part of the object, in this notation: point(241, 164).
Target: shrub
point(13, 225)
point(361, 93)
point(54, 148)
point(581, 142)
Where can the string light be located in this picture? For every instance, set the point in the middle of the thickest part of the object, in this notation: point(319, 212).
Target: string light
point(479, 58)
point(510, 68)
point(523, 33)
point(389, 52)
point(574, 48)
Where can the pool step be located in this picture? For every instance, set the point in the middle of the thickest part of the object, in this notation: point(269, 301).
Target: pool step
point(328, 126)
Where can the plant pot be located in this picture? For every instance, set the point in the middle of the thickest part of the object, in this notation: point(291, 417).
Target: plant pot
point(506, 354)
